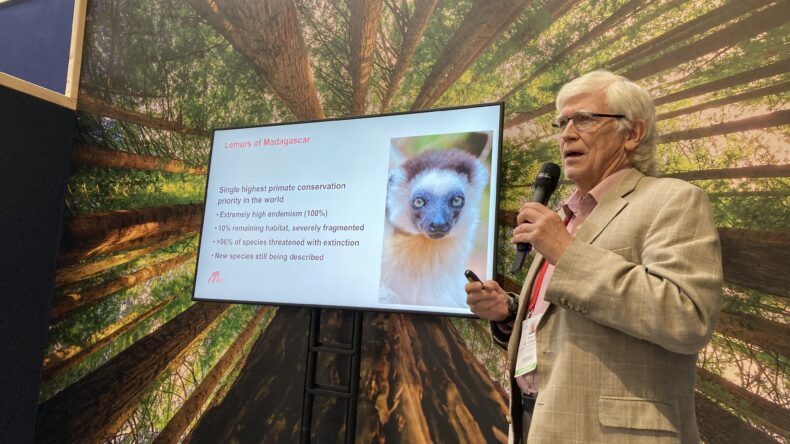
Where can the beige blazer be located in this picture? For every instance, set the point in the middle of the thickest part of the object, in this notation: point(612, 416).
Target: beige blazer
point(632, 302)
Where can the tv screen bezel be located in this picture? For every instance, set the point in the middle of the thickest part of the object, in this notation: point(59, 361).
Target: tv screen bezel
point(493, 184)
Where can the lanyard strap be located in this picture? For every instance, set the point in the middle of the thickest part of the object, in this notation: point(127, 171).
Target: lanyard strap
point(539, 280)
point(538, 283)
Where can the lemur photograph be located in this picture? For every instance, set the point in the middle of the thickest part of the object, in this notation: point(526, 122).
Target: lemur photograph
point(436, 218)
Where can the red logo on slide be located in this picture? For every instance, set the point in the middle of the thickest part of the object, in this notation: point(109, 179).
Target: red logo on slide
point(214, 278)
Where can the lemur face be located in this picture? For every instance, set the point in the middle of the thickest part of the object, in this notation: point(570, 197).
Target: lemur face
point(436, 203)
point(435, 193)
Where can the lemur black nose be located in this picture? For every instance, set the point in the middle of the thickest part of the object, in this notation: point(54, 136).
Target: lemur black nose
point(439, 228)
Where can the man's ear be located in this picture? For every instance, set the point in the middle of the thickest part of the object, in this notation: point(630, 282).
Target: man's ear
point(635, 135)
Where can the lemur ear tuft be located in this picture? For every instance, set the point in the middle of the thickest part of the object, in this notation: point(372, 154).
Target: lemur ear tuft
point(396, 177)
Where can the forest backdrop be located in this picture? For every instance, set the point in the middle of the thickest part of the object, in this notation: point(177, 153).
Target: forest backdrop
point(132, 359)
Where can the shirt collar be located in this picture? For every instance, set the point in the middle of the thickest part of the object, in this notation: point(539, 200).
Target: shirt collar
point(578, 202)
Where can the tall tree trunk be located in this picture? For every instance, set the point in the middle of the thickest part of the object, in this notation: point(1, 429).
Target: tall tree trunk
point(776, 118)
point(762, 72)
point(756, 408)
point(58, 362)
point(92, 155)
point(417, 384)
point(363, 28)
point(756, 259)
point(752, 172)
point(268, 34)
point(101, 233)
point(415, 28)
point(192, 406)
point(742, 97)
point(719, 426)
point(420, 384)
point(533, 26)
point(767, 193)
point(698, 25)
point(519, 118)
point(72, 256)
point(769, 335)
point(265, 401)
point(605, 26)
point(88, 104)
point(482, 25)
point(222, 391)
point(75, 273)
point(639, 21)
point(93, 408)
point(72, 300)
point(755, 24)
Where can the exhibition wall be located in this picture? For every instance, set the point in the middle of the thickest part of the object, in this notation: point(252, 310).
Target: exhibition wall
point(131, 357)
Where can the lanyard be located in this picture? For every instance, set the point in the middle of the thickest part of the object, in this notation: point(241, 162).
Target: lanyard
point(536, 290)
point(539, 281)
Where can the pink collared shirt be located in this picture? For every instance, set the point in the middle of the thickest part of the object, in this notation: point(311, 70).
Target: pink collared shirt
point(577, 207)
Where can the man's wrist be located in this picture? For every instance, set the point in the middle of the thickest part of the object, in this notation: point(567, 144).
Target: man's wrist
point(512, 308)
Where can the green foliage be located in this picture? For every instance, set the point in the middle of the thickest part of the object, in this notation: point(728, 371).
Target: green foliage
point(79, 328)
point(124, 136)
point(535, 19)
point(173, 66)
point(770, 213)
point(748, 301)
point(330, 50)
point(92, 190)
point(762, 373)
point(440, 29)
point(521, 162)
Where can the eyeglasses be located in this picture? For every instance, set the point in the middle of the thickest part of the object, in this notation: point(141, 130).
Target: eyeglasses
point(582, 120)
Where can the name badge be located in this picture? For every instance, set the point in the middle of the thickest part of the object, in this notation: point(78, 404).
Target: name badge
point(527, 357)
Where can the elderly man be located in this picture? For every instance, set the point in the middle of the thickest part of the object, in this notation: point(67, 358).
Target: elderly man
point(624, 290)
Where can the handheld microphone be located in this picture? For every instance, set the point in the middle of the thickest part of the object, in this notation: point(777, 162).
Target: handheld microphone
point(545, 184)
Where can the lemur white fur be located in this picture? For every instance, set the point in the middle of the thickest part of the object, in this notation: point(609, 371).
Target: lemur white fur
point(428, 235)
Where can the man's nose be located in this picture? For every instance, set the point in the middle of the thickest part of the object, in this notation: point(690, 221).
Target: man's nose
point(569, 133)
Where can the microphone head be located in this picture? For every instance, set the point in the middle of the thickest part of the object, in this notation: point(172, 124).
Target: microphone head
point(548, 177)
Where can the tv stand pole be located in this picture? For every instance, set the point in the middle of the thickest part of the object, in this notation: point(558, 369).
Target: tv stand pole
point(313, 389)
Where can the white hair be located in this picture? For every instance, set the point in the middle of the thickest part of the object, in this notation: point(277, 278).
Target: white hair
point(623, 97)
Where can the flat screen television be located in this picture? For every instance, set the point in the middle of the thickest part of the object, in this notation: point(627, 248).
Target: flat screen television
point(376, 213)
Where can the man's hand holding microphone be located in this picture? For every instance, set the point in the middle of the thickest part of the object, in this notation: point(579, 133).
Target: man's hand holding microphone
point(536, 225)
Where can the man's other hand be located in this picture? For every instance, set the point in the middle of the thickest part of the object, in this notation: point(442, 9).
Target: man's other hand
point(487, 300)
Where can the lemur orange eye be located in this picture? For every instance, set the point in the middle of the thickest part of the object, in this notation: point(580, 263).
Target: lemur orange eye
point(457, 201)
point(418, 202)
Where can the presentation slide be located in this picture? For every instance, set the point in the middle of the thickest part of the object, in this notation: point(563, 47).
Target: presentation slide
point(377, 213)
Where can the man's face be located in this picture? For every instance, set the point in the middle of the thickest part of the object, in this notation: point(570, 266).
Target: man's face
point(591, 154)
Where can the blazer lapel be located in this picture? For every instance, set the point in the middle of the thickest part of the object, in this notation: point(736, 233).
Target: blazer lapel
point(611, 204)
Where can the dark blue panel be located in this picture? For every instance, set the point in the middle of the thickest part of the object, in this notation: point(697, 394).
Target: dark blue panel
point(36, 36)
point(35, 146)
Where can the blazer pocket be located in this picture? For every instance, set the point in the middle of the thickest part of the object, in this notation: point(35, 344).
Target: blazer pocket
point(637, 413)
